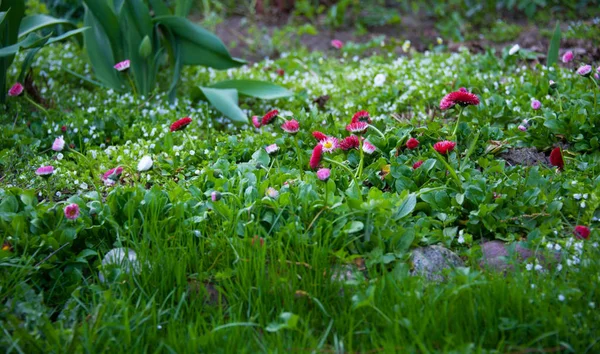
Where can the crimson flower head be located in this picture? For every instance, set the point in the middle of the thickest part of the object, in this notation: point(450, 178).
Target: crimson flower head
point(412, 143)
point(180, 124)
point(444, 147)
point(350, 142)
point(556, 158)
point(16, 90)
point(582, 232)
point(256, 122)
point(72, 211)
point(111, 176)
point(460, 97)
point(280, 72)
point(417, 164)
point(268, 118)
point(291, 126)
point(315, 158)
point(319, 136)
point(357, 127)
point(361, 116)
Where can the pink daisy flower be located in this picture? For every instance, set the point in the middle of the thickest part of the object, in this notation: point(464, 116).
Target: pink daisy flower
point(567, 57)
point(271, 149)
point(368, 147)
point(72, 211)
point(45, 171)
point(336, 43)
point(350, 142)
point(585, 70)
point(272, 193)
point(215, 196)
point(291, 126)
point(357, 127)
point(323, 174)
point(180, 124)
point(412, 144)
point(319, 136)
point(256, 121)
point(535, 104)
point(122, 66)
point(268, 118)
point(15, 90)
point(460, 97)
point(317, 155)
point(58, 144)
point(330, 144)
point(361, 116)
point(111, 176)
point(444, 147)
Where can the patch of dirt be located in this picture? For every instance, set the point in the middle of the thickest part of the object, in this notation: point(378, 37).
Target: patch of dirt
point(525, 157)
point(256, 45)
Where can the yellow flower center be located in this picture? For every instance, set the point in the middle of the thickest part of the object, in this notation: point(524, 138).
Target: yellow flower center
point(328, 145)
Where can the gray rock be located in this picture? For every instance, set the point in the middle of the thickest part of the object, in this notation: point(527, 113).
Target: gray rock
point(431, 261)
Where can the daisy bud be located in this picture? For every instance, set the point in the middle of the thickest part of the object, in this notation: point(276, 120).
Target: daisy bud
point(567, 57)
point(556, 158)
point(582, 232)
point(444, 147)
point(412, 143)
point(145, 164)
point(323, 174)
point(215, 196)
point(45, 171)
point(15, 90)
point(336, 43)
point(584, 70)
point(271, 149)
point(122, 66)
point(59, 144)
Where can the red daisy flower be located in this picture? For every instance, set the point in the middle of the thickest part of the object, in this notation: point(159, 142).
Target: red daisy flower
point(319, 136)
point(361, 116)
point(315, 158)
point(256, 122)
point(349, 142)
point(268, 118)
point(444, 147)
point(291, 126)
point(460, 97)
point(357, 127)
point(417, 164)
point(582, 232)
point(412, 143)
point(180, 124)
point(556, 158)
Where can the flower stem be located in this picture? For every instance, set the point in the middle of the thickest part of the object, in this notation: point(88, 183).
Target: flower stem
point(132, 85)
point(378, 131)
point(49, 189)
point(36, 105)
point(457, 122)
point(360, 163)
point(595, 93)
point(187, 135)
point(299, 154)
point(326, 194)
point(341, 165)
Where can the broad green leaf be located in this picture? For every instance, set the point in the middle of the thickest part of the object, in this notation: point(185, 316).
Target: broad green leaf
point(31, 41)
point(67, 35)
point(554, 46)
point(174, 51)
point(108, 20)
point(406, 207)
point(2, 16)
point(287, 320)
point(226, 102)
point(100, 53)
point(255, 88)
point(183, 7)
point(9, 31)
point(199, 46)
point(37, 22)
point(160, 8)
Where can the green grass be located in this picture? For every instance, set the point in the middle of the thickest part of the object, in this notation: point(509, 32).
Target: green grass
point(279, 297)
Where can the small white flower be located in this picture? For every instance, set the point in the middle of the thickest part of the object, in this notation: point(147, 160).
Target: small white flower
point(592, 305)
point(559, 267)
point(577, 196)
point(529, 266)
point(533, 286)
point(145, 164)
point(272, 193)
point(197, 172)
point(561, 297)
point(192, 152)
point(514, 49)
point(557, 247)
point(461, 239)
point(538, 267)
point(60, 156)
point(379, 80)
point(582, 205)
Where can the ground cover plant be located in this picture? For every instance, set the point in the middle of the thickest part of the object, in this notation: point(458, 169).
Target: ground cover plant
point(138, 223)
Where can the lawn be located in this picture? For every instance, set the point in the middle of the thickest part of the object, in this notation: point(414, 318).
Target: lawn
point(315, 225)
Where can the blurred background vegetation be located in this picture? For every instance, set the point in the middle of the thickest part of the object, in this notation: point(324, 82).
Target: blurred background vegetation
point(456, 20)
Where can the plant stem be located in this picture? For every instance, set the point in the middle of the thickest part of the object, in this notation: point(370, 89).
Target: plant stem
point(36, 105)
point(378, 131)
point(187, 135)
point(362, 158)
point(132, 85)
point(595, 93)
point(342, 166)
point(49, 189)
point(457, 122)
point(326, 194)
point(299, 154)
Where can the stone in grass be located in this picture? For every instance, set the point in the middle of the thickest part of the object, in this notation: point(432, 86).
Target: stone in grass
point(123, 259)
point(431, 261)
point(499, 256)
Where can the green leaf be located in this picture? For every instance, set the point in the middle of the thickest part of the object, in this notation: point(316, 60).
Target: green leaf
point(100, 53)
point(226, 102)
point(406, 207)
point(108, 21)
point(145, 48)
point(554, 46)
point(287, 320)
point(199, 46)
point(9, 31)
point(31, 41)
point(159, 7)
point(67, 35)
point(37, 22)
point(255, 88)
